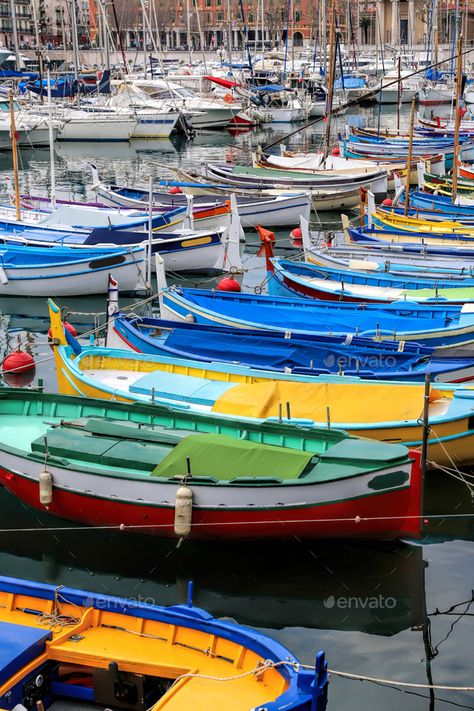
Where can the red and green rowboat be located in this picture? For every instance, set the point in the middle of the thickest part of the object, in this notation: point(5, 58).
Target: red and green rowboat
point(110, 464)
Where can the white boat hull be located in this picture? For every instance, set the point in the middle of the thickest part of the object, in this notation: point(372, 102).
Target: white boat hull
point(390, 96)
point(277, 115)
point(69, 279)
point(97, 129)
point(433, 96)
point(153, 126)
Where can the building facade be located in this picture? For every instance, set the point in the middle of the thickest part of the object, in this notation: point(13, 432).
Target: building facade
point(54, 21)
point(24, 23)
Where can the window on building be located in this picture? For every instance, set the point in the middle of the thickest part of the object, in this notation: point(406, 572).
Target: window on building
point(220, 17)
point(297, 16)
point(208, 3)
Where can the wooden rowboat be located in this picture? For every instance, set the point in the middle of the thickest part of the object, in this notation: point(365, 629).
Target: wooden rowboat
point(63, 644)
point(258, 397)
point(171, 473)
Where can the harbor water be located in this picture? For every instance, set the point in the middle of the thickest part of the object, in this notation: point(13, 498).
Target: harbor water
point(401, 611)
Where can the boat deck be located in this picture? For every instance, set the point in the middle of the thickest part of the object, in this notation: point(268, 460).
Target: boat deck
point(156, 648)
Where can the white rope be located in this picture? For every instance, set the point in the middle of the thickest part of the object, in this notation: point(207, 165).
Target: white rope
point(391, 682)
point(268, 664)
point(127, 527)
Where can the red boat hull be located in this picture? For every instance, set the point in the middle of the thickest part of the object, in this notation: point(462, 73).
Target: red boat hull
point(389, 515)
point(324, 295)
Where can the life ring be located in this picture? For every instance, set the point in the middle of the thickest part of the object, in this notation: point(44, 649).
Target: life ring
point(229, 99)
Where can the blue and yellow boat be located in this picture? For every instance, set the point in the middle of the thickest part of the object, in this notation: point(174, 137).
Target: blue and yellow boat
point(384, 410)
point(59, 643)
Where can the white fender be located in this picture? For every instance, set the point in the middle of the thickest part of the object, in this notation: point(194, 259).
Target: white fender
point(183, 511)
point(45, 480)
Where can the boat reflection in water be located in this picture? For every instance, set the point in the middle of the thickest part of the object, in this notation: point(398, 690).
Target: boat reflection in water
point(372, 588)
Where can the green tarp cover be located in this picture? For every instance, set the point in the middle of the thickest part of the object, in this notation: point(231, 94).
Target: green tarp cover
point(224, 458)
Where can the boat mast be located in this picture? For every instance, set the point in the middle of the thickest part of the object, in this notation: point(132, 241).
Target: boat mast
point(75, 43)
point(410, 153)
point(399, 91)
point(201, 36)
point(323, 36)
point(15, 34)
point(15, 158)
point(144, 6)
point(457, 122)
point(288, 10)
point(332, 62)
point(119, 38)
point(38, 50)
point(262, 24)
point(229, 33)
point(51, 141)
point(188, 31)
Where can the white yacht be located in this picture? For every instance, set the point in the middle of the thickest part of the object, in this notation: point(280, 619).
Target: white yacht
point(202, 112)
point(389, 92)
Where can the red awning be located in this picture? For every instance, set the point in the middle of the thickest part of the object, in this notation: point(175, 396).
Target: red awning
point(226, 83)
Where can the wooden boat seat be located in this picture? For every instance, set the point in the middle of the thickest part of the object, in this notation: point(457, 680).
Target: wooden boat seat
point(107, 451)
point(212, 458)
point(180, 387)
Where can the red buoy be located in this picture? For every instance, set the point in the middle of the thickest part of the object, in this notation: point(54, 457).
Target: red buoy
point(387, 202)
point(68, 326)
point(18, 362)
point(175, 190)
point(336, 151)
point(228, 284)
point(296, 233)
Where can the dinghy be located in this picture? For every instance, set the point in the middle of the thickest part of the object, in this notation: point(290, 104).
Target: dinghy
point(439, 325)
point(63, 271)
point(187, 250)
point(74, 646)
point(304, 279)
point(144, 468)
point(273, 210)
point(266, 178)
point(282, 353)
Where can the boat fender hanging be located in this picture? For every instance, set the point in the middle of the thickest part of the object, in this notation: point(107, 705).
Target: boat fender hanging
point(3, 276)
point(45, 487)
point(183, 511)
